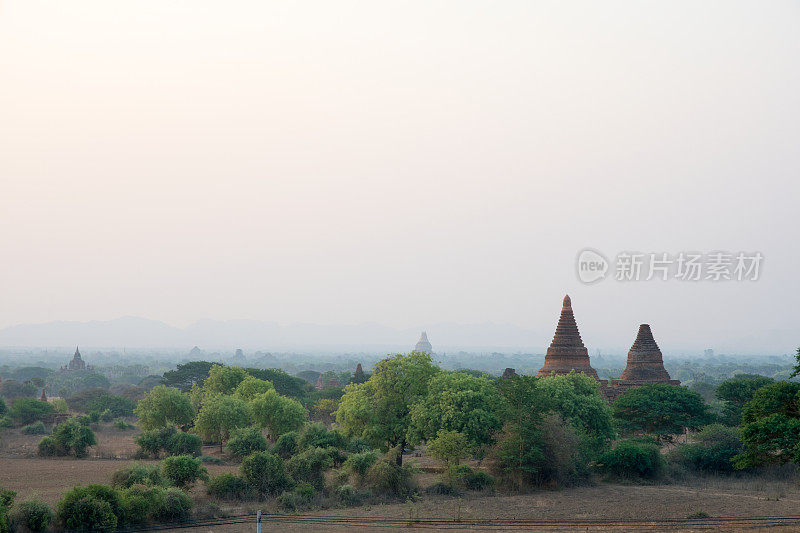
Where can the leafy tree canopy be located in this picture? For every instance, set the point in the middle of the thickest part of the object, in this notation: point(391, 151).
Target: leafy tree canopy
point(162, 407)
point(460, 402)
point(277, 413)
point(187, 374)
point(379, 410)
point(661, 409)
point(219, 416)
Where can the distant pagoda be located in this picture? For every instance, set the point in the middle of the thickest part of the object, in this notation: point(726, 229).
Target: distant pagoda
point(567, 352)
point(77, 363)
point(645, 362)
point(423, 345)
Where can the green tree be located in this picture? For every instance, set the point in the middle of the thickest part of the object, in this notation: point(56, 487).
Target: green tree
point(245, 441)
point(163, 407)
point(379, 410)
point(771, 426)
point(285, 384)
point(712, 449)
point(576, 398)
point(70, 437)
point(252, 387)
point(277, 413)
point(184, 470)
point(449, 447)
point(220, 415)
point(462, 403)
point(28, 410)
point(661, 410)
point(188, 374)
point(223, 379)
point(796, 370)
point(265, 473)
point(11, 389)
point(736, 392)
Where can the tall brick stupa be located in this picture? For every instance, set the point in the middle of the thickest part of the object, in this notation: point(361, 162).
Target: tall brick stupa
point(645, 362)
point(567, 352)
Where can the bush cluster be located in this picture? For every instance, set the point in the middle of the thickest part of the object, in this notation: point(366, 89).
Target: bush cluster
point(632, 459)
point(246, 441)
point(103, 508)
point(37, 428)
point(170, 441)
point(69, 438)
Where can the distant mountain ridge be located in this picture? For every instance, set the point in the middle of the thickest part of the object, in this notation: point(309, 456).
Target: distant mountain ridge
point(137, 332)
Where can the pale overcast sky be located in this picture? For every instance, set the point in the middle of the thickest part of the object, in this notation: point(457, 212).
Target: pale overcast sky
point(403, 163)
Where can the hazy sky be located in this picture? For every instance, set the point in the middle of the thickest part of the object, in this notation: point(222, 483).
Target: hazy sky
point(403, 163)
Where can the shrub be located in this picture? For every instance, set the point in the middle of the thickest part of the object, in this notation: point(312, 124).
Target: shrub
point(300, 497)
point(121, 424)
point(289, 501)
point(712, 450)
point(465, 477)
point(31, 515)
point(246, 441)
point(358, 445)
point(116, 405)
point(107, 416)
point(175, 506)
point(265, 473)
point(6, 500)
point(153, 441)
point(316, 435)
point(7, 497)
point(359, 463)
point(59, 404)
point(90, 508)
point(287, 445)
point(229, 487)
point(182, 443)
point(37, 428)
point(347, 494)
point(138, 474)
point(631, 459)
point(47, 448)
point(3, 407)
point(29, 410)
point(208, 459)
point(140, 503)
point(310, 466)
point(70, 437)
point(183, 470)
point(443, 489)
point(386, 477)
point(5, 422)
point(449, 447)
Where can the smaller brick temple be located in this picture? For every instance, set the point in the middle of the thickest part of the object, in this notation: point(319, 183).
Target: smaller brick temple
point(567, 352)
point(645, 365)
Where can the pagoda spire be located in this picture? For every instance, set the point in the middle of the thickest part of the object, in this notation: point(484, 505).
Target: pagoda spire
point(567, 352)
point(645, 361)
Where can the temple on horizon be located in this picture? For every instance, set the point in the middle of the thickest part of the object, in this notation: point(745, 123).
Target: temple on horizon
point(77, 363)
point(423, 345)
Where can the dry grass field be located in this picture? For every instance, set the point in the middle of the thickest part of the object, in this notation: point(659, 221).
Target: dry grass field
point(652, 506)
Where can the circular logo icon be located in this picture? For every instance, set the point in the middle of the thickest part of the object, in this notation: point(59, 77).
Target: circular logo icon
point(592, 266)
